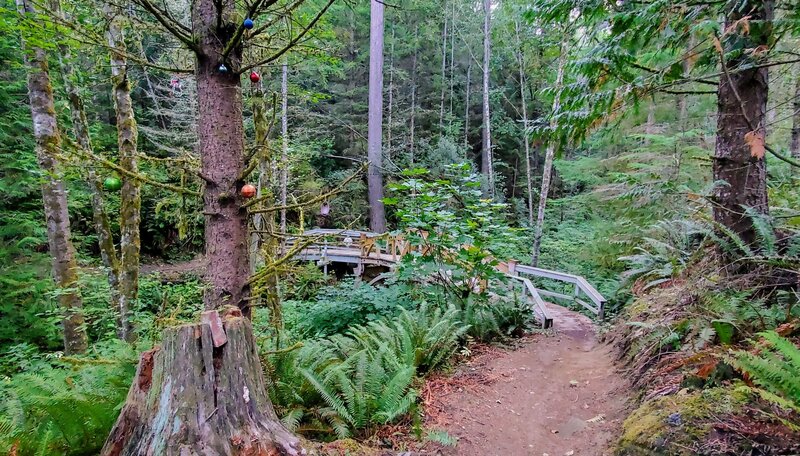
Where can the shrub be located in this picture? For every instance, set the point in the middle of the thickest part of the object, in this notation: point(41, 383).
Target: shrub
point(345, 305)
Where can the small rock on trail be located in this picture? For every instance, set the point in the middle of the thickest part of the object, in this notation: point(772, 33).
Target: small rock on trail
point(557, 394)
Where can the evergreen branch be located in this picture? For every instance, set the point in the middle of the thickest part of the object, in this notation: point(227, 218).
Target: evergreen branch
point(291, 43)
point(137, 176)
point(310, 202)
point(237, 35)
point(289, 10)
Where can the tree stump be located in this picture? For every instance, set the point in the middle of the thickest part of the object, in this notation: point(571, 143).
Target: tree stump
point(201, 393)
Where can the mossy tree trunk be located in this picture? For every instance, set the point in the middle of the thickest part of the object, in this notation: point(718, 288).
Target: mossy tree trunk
point(130, 195)
point(265, 244)
point(80, 128)
point(201, 393)
point(487, 168)
point(54, 192)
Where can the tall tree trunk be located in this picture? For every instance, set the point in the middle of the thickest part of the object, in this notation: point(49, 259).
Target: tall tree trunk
point(390, 110)
point(528, 172)
point(102, 226)
point(412, 126)
point(686, 65)
point(794, 145)
point(452, 60)
point(377, 214)
point(284, 141)
point(650, 126)
point(467, 104)
point(444, 75)
point(549, 155)
point(130, 196)
point(265, 223)
point(486, 149)
point(742, 102)
point(221, 145)
point(54, 193)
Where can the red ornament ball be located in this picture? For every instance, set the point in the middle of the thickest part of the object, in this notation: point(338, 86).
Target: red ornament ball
point(248, 191)
point(254, 77)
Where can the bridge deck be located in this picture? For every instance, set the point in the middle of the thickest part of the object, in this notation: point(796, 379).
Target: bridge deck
point(364, 248)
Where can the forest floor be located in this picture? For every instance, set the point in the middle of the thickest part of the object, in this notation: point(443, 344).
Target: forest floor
point(555, 394)
point(175, 271)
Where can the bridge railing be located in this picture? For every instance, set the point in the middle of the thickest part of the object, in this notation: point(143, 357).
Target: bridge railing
point(388, 249)
point(583, 294)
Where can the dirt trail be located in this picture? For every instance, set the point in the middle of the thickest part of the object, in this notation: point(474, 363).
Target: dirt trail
point(535, 407)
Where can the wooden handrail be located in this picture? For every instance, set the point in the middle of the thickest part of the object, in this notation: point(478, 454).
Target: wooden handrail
point(363, 247)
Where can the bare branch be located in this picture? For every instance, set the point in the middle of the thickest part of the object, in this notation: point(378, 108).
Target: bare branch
point(177, 29)
point(291, 43)
point(310, 202)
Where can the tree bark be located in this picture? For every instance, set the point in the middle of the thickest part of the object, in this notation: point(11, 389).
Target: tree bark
point(412, 126)
point(54, 193)
point(284, 141)
point(130, 195)
point(452, 62)
point(202, 392)
point(102, 226)
point(742, 102)
point(444, 75)
point(467, 105)
point(377, 214)
point(549, 155)
point(221, 145)
point(265, 222)
point(528, 172)
point(486, 149)
point(390, 110)
point(794, 145)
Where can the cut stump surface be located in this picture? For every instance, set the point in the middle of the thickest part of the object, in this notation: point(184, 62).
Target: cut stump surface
point(192, 397)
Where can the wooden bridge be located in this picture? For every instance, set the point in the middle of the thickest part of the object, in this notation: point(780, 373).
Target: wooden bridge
point(362, 250)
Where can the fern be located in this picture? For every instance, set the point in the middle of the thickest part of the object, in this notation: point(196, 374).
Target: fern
point(776, 369)
point(57, 410)
point(765, 231)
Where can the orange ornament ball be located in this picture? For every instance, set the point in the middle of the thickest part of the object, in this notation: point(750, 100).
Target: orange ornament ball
point(248, 191)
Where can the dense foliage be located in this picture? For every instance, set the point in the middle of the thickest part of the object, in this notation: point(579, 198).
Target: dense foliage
point(631, 207)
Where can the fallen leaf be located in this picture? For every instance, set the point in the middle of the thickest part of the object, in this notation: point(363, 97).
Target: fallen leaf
point(755, 139)
point(718, 45)
point(597, 419)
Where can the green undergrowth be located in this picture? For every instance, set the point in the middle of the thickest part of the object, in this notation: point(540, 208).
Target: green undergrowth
point(346, 383)
point(710, 380)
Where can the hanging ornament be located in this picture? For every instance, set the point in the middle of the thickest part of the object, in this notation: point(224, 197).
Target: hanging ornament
point(222, 68)
point(248, 23)
point(254, 77)
point(248, 191)
point(112, 184)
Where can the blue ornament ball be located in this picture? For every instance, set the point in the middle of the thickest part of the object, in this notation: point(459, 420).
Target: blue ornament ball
point(222, 68)
point(248, 23)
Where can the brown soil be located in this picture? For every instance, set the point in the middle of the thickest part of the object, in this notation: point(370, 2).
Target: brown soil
point(176, 271)
point(557, 394)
